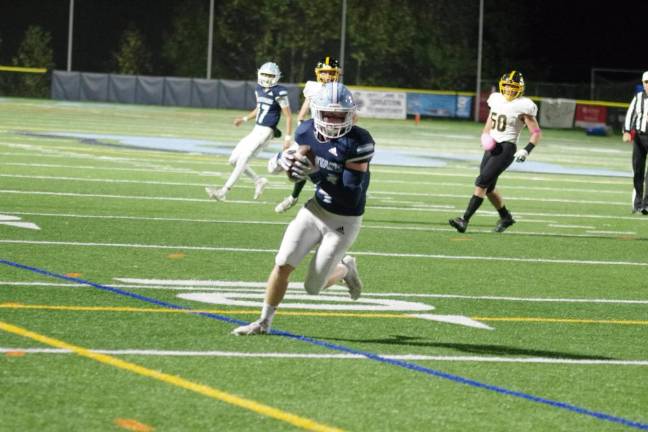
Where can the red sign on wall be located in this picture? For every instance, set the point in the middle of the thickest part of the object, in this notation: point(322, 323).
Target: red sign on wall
point(590, 115)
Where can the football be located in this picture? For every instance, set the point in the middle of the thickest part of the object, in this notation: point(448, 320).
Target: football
point(301, 164)
point(487, 142)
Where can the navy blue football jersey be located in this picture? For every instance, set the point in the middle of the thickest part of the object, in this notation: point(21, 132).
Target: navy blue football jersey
point(330, 158)
point(269, 104)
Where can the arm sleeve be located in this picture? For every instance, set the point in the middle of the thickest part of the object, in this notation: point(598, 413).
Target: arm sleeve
point(350, 191)
point(629, 118)
point(364, 150)
point(282, 99)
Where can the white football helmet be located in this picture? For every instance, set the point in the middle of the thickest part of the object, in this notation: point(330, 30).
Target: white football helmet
point(333, 109)
point(268, 75)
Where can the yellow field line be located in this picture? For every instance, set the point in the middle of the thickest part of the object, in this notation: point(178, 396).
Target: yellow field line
point(211, 392)
point(305, 313)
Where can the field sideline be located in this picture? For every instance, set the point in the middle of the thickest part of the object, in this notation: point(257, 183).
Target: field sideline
point(120, 282)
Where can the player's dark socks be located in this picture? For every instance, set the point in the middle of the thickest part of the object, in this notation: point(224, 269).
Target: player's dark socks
point(504, 213)
point(298, 188)
point(474, 203)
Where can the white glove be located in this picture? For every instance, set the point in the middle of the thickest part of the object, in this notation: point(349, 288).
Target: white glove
point(287, 159)
point(521, 155)
point(302, 168)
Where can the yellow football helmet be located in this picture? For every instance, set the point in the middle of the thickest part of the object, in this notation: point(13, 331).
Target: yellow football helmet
point(511, 85)
point(327, 70)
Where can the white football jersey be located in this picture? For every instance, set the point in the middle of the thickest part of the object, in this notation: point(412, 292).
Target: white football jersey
point(506, 116)
point(311, 89)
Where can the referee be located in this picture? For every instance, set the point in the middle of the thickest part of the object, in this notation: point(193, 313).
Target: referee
point(635, 129)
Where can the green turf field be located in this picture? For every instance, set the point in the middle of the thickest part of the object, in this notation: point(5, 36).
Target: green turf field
point(541, 328)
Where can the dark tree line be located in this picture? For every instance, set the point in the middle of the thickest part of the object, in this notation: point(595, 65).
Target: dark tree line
point(405, 43)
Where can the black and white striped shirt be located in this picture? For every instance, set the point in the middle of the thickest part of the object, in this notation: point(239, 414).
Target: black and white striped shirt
point(637, 115)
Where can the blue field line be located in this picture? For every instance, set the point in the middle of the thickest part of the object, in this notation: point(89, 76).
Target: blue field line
point(342, 348)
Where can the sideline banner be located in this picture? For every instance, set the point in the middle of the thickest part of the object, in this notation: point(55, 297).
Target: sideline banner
point(386, 105)
point(557, 113)
point(439, 105)
point(588, 116)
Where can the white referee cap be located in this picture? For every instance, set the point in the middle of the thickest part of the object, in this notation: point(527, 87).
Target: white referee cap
point(644, 77)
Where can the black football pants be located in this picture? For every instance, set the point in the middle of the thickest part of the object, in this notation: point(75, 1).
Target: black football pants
point(495, 163)
point(639, 151)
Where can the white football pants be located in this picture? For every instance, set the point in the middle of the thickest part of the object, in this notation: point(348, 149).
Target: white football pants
point(312, 226)
point(245, 150)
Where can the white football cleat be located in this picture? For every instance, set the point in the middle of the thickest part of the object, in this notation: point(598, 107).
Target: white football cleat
point(259, 186)
point(216, 194)
point(352, 278)
point(254, 328)
point(286, 204)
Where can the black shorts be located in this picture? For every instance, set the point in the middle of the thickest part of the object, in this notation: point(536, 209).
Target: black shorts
point(495, 163)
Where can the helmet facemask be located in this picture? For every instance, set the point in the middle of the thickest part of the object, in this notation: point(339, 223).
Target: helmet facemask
point(333, 123)
point(333, 110)
point(511, 85)
point(268, 75)
point(327, 70)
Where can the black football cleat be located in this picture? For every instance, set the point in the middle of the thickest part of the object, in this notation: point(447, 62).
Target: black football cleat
point(502, 224)
point(459, 224)
point(644, 211)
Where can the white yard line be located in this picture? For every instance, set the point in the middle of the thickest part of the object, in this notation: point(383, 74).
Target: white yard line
point(435, 172)
point(365, 226)
point(625, 203)
point(360, 253)
point(418, 172)
point(302, 356)
point(620, 191)
point(147, 169)
point(422, 205)
point(259, 287)
point(554, 225)
point(635, 218)
point(374, 181)
point(611, 232)
point(103, 180)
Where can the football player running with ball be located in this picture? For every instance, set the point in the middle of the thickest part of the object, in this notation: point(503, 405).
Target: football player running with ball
point(327, 70)
point(335, 155)
point(509, 113)
point(272, 101)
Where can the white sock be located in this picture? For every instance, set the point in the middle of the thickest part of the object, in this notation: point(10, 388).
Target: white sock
point(267, 313)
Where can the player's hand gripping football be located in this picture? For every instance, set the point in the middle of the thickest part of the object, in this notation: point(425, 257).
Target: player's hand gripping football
point(301, 168)
point(287, 159)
